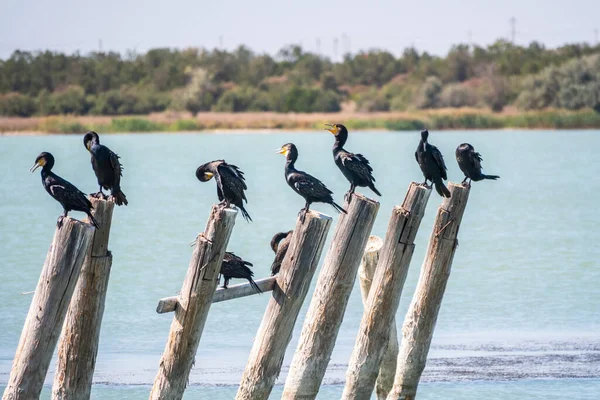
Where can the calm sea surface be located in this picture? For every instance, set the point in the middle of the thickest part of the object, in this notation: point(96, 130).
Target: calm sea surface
point(521, 312)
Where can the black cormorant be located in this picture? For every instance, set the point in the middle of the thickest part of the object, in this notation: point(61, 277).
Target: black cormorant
point(230, 183)
point(234, 267)
point(307, 186)
point(469, 162)
point(71, 198)
point(279, 245)
point(355, 167)
point(432, 164)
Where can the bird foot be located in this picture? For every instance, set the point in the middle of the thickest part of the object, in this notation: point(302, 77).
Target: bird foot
point(99, 195)
point(466, 184)
point(302, 215)
point(59, 221)
point(224, 287)
point(425, 185)
point(348, 197)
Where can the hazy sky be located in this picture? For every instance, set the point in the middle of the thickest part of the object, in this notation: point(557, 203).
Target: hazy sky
point(267, 25)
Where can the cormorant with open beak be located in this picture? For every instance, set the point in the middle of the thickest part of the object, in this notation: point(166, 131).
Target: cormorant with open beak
point(355, 167)
point(230, 183)
point(235, 267)
point(432, 164)
point(71, 198)
point(107, 167)
point(279, 245)
point(306, 185)
point(469, 162)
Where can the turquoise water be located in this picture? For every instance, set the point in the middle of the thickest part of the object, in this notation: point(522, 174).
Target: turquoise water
point(520, 315)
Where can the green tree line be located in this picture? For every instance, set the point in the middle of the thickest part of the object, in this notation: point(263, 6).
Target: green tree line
point(294, 80)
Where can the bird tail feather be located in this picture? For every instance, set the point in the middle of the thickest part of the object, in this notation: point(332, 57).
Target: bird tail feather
point(338, 208)
point(374, 189)
point(492, 177)
point(93, 220)
point(441, 188)
point(120, 198)
point(254, 285)
point(245, 214)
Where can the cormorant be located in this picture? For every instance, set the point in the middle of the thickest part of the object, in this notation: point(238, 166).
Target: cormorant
point(307, 186)
point(432, 164)
point(71, 198)
point(469, 162)
point(234, 267)
point(279, 245)
point(230, 183)
point(355, 167)
point(107, 168)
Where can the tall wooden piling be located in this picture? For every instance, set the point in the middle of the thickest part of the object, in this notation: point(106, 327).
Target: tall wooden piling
point(275, 332)
point(80, 336)
point(328, 304)
point(194, 303)
point(384, 295)
point(48, 308)
point(366, 272)
point(421, 317)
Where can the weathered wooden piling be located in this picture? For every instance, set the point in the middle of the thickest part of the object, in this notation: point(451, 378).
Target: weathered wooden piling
point(194, 303)
point(328, 304)
point(80, 336)
point(275, 331)
point(48, 308)
point(384, 295)
point(366, 272)
point(421, 317)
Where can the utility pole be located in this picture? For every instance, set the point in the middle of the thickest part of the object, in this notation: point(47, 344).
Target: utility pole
point(335, 49)
point(513, 29)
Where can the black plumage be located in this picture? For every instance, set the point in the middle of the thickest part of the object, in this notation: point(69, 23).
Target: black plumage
point(231, 183)
point(71, 198)
point(469, 162)
point(279, 245)
point(355, 167)
point(432, 164)
point(107, 167)
point(306, 185)
point(235, 267)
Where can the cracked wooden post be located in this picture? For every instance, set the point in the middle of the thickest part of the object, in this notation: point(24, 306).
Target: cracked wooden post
point(80, 336)
point(384, 295)
point(366, 272)
point(328, 304)
point(275, 331)
point(194, 303)
point(48, 308)
point(421, 317)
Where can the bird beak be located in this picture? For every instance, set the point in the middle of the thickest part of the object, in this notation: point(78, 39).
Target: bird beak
point(332, 128)
point(88, 145)
point(35, 166)
point(282, 150)
point(208, 175)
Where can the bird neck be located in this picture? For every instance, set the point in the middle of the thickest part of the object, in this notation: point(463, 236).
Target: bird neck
point(340, 141)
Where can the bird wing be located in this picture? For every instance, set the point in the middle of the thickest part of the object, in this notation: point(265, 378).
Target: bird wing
point(439, 160)
point(308, 184)
point(65, 191)
point(231, 177)
point(117, 169)
point(358, 164)
point(476, 159)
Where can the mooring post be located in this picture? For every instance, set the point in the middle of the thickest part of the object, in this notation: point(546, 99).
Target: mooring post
point(48, 308)
point(328, 304)
point(275, 331)
point(384, 295)
point(421, 317)
point(80, 336)
point(194, 303)
point(366, 272)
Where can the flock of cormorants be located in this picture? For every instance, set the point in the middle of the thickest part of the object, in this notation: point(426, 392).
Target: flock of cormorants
point(231, 185)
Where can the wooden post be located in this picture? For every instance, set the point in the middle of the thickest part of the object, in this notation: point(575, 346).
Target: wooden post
point(275, 330)
point(48, 308)
point(328, 304)
point(419, 323)
point(194, 303)
point(80, 336)
point(366, 272)
point(384, 296)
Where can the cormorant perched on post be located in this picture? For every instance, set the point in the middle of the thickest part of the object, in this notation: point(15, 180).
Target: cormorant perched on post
point(107, 167)
point(355, 167)
point(279, 245)
point(432, 164)
point(230, 183)
point(234, 267)
point(307, 186)
point(71, 198)
point(469, 162)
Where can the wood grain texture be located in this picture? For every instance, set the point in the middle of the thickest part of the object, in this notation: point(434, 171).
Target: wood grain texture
point(419, 323)
point(384, 295)
point(48, 309)
point(329, 301)
point(194, 303)
point(275, 331)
